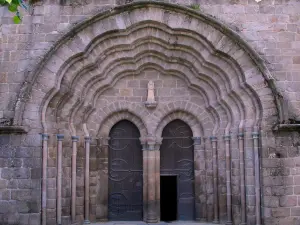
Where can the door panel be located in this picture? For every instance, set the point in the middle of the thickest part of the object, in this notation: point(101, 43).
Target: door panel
point(177, 158)
point(125, 168)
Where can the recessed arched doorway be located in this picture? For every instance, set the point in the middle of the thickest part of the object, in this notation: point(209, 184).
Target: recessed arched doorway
point(177, 201)
point(125, 169)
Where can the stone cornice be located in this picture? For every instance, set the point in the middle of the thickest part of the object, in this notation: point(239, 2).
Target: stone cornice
point(13, 130)
point(287, 127)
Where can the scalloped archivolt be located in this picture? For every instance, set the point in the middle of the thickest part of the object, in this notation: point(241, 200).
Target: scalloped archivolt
point(99, 52)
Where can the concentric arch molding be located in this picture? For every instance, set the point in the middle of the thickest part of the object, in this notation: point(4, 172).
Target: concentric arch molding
point(122, 17)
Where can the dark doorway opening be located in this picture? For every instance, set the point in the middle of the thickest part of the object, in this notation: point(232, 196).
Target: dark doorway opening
point(168, 198)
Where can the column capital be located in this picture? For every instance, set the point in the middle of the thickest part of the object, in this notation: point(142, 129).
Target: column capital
point(60, 137)
point(75, 138)
point(197, 140)
point(87, 139)
point(152, 146)
point(143, 140)
point(45, 137)
point(255, 135)
point(227, 137)
point(213, 139)
point(240, 136)
point(103, 141)
point(150, 143)
point(144, 147)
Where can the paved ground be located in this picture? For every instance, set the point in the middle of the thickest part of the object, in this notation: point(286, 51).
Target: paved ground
point(160, 223)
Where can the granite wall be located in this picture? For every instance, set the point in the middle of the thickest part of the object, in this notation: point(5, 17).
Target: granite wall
point(270, 27)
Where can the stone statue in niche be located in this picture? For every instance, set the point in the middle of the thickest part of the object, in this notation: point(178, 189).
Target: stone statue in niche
point(151, 92)
point(151, 103)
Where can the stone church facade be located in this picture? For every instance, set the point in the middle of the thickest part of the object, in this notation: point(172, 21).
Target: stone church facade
point(109, 106)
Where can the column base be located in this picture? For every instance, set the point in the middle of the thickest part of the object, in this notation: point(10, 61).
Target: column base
point(216, 221)
point(228, 223)
point(86, 222)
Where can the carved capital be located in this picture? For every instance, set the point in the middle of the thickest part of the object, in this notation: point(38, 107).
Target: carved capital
point(60, 137)
point(227, 137)
point(75, 138)
point(87, 139)
point(255, 135)
point(197, 140)
point(144, 147)
point(104, 141)
point(45, 137)
point(151, 147)
point(151, 143)
point(240, 136)
point(213, 139)
point(143, 140)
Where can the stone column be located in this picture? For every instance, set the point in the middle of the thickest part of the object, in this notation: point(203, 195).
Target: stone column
point(102, 207)
point(157, 178)
point(215, 178)
point(198, 207)
point(145, 179)
point(242, 176)
point(74, 158)
point(151, 164)
point(45, 138)
point(60, 138)
point(87, 181)
point(255, 137)
point(228, 179)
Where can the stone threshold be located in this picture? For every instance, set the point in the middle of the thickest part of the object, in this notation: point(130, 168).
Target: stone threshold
point(160, 223)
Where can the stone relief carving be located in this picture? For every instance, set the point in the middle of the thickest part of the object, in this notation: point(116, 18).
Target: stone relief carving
point(151, 103)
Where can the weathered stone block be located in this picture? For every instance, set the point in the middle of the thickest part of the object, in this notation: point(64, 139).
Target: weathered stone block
point(24, 152)
point(6, 152)
point(21, 194)
point(18, 173)
point(5, 194)
point(23, 207)
point(271, 201)
point(34, 219)
point(281, 212)
point(51, 203)
point(32, 163)
point(24, 183)
point(24, 219)
point(36, 173)
point(288, 201)
point(4, 140)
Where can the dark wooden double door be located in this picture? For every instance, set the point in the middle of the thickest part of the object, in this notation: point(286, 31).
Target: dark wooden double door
point(125, 171)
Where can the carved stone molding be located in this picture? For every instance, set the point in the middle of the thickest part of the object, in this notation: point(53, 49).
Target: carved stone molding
point(13, 129)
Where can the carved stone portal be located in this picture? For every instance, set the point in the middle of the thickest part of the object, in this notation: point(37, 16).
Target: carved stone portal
point(151, 103)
